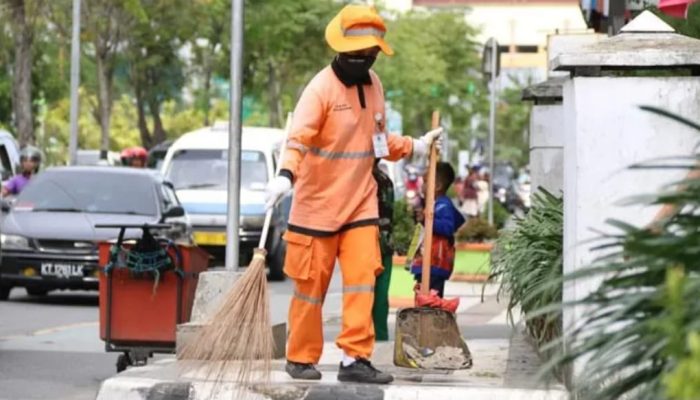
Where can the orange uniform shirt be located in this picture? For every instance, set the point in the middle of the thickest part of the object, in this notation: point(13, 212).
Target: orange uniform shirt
point(330, 155)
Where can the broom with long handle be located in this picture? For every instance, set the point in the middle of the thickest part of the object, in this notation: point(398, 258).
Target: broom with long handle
point(429, 210)
point(239, 335)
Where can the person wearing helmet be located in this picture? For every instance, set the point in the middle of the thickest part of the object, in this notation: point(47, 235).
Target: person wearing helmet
point(125, 156)
point(30, 160)
point(139, 156)
point(338, 130)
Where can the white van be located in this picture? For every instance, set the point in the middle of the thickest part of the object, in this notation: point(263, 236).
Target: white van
point(9, 155)
point(197, 166)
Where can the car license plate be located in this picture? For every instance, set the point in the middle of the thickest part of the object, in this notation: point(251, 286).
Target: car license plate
point(61, 270)
point(210, 238)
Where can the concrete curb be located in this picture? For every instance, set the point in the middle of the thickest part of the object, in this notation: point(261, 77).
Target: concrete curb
point(135, 388)
point(131, 388)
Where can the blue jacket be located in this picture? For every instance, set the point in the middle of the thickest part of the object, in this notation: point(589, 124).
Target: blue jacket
point(447, 220)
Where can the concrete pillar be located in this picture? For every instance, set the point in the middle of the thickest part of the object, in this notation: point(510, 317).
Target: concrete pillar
point(605, 133)
point(546, 135)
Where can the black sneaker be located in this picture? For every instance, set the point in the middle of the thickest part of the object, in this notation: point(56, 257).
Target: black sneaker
point(302, 371)
point(362, 371)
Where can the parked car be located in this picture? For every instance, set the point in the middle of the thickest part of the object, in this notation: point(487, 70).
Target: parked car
point(48, 237)
point(197, 164)
point(9, 155)
point(157, 154)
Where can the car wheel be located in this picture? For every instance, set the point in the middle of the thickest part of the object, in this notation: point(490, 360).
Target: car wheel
point(5, 292)
point(36, 292)
point(276, 264)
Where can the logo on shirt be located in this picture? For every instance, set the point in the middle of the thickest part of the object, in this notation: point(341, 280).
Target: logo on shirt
point(342, 107)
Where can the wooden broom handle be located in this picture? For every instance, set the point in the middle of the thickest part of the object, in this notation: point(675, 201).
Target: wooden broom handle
point(429, 212)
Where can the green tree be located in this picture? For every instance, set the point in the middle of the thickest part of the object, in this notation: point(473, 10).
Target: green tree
point(104, 26)
point(23, 17)
point(5, 77)
point(436, 66)
point(213, 25)
point(512, 124)
point(155, 69)
point(284, 48)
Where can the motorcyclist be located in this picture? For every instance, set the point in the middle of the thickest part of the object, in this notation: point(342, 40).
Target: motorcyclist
point(30, 161)
point(139, 156)
point(134, 157)
point(125, 156)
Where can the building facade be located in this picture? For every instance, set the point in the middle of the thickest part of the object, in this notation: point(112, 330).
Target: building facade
point(521, 27)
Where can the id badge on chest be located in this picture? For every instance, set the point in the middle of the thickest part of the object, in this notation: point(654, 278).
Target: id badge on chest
point(381, 147)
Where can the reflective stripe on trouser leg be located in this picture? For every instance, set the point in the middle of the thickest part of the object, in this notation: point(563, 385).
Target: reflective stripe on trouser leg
point(359, 262)
point(305, 341)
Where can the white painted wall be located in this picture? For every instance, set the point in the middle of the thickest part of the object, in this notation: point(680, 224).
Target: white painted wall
point(605, 132)
point(547, 147)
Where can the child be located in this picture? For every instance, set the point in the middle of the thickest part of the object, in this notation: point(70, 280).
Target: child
point(380, 309)
point(447, 220)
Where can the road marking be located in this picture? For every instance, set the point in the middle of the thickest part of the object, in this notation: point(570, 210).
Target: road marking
point(47, 331)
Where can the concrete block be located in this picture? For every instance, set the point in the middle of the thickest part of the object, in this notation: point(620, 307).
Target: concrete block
point(213, 285)
point(547, 126)
point(212, 288)
point(186, 332)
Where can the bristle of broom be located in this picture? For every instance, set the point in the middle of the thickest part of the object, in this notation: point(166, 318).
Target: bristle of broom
point(238, 338)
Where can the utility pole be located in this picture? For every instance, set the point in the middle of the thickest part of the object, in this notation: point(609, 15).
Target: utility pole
point(491, 67)
point(74, 83)
point(234, 145)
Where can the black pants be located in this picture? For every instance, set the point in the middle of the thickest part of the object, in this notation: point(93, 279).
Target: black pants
point(436, 283)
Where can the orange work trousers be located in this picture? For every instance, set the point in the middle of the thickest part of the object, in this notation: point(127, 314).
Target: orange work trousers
point(309, 262)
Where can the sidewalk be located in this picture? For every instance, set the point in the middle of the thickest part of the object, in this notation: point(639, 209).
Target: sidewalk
point(505, 367)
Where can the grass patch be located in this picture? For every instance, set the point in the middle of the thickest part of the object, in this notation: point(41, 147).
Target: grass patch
point(472, 262)
point(466, 262)
point(402, 282)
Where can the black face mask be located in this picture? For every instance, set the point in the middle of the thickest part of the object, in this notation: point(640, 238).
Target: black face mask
point(356, 67)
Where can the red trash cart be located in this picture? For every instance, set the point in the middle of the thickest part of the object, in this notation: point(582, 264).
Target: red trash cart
point(146, 289)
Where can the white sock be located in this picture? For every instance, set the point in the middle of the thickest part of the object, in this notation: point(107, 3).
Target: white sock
point(347, 360)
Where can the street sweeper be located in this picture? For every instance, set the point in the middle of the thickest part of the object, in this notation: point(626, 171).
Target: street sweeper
point(337, 132)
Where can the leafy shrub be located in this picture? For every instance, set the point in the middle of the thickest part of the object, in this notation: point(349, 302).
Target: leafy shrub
point(527, 259)
point(500, 214)
point(403, 226)
point(477, 230)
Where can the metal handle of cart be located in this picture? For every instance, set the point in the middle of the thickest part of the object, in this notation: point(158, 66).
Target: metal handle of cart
point(113, 260)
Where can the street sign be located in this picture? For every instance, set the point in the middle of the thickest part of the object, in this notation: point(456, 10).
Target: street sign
point(490, 59)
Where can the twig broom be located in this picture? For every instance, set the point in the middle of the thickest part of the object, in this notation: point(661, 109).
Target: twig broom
point(238, 338)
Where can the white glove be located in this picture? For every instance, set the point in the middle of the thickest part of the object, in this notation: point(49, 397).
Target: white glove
point(275, 190)
point(421, 146)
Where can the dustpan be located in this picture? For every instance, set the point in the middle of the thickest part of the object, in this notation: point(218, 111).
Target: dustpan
point(429, 338)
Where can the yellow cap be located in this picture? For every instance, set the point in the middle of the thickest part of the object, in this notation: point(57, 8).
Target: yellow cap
point(357, 27)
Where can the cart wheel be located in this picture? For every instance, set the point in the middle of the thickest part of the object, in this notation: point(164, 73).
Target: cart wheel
point(123, 361)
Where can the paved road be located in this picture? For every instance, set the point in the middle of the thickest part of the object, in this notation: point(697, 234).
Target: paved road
point(50, 348)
